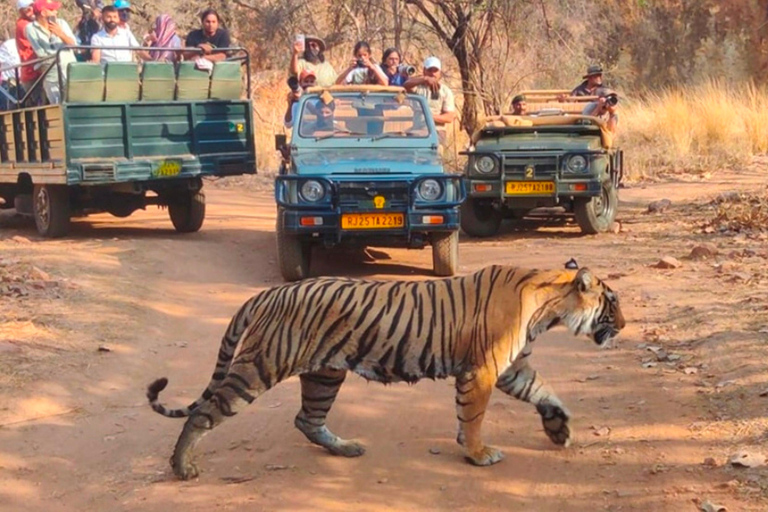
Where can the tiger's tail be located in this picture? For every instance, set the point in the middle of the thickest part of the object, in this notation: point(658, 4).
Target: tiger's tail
point(229, 342)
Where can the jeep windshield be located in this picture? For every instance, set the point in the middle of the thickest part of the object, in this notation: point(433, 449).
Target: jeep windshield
point(360, 115)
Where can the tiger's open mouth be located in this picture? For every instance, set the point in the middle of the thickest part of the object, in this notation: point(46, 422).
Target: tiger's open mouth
point(603, 335)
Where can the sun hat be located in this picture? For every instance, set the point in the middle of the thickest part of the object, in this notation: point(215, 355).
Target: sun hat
point(593, 71)
point(319, 41)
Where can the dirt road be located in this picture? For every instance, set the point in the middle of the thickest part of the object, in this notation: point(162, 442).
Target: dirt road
point(97, 316)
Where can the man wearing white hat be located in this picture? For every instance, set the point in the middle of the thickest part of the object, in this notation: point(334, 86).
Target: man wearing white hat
point(27, 74)
point(439, 96)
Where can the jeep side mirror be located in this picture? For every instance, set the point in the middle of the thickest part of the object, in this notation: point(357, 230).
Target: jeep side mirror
point(280, 141)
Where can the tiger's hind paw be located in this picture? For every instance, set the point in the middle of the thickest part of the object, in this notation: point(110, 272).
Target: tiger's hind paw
point(487, 456)
point(184, 470)
point(346, 448)
point(555, 420)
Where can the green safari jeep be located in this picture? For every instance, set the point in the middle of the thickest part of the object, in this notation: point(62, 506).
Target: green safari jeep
point(562, 162)
point(126, 136)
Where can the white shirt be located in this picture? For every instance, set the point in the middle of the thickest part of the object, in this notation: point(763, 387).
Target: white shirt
point(9, 56)
point(359, 76)
point(123, 37)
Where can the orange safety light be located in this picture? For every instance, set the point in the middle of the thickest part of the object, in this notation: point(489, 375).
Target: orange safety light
point(311, 221)
point(482, 187)
point(432, 219)
point(579, 187)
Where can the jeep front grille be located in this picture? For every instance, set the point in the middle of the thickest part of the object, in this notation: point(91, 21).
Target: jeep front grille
point(542, 167)
point(360, 194)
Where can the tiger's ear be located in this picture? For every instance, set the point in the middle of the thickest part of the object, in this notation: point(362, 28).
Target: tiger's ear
point(584, 280)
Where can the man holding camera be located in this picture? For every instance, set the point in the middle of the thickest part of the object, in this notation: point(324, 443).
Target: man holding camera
point(439, 95)
point(307, 79)
point(604, 108)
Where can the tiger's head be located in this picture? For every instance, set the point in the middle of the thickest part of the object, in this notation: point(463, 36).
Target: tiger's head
point(592, 308)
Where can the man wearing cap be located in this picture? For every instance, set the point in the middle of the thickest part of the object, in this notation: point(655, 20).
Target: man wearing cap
point(519, 107)
point(124, 13)
point(592, 80)
point(111, 37)
point(47, 34)
point(27, 74)
point(439, 96)
point(310, 56)
point(307, 79)
point(604, 108)
point(208, 38)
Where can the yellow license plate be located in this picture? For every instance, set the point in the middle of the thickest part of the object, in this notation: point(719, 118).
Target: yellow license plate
point(530, 187)
point(372, 220)
point(167, 168)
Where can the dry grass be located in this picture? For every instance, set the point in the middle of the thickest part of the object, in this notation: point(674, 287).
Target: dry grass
point(694, 129)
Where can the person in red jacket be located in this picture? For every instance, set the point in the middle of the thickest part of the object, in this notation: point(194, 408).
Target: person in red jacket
point(28, 74)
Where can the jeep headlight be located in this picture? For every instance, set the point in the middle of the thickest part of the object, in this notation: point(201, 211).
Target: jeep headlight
point(430, 190)
point(312, 191)
point(577, 163)
point(485, 164)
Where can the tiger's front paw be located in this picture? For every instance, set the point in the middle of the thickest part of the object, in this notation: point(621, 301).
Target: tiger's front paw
point(486, 456)
point(555, 420)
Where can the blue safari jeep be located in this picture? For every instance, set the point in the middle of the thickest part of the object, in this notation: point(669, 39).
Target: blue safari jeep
point(363, 169)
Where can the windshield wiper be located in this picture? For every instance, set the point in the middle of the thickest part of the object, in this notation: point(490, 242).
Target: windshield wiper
point(392, 134)
point(336, 132)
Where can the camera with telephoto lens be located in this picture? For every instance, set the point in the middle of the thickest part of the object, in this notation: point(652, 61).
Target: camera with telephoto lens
point(406, 69)
point(293, 83)
point(612, 100)
point(360, 63)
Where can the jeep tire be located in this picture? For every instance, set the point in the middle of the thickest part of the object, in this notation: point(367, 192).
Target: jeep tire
point(50, 208)
point(445, 253)
point(479, 217)
point(596, 214)
point(294, 255)
point(187, 211)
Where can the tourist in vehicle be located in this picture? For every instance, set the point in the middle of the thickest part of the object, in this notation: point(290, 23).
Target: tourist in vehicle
point(362, 70)
point(162, 37)
point(604, 108)
point(306, 80)
point(47, 34)
point(124, 13)
point(324, 122)
point(439, 95)
point(309, 54)
point(111, 37)
point(592, 81)
point(208, 39)
point(9, 57)
point(391, 66)
point(519, 108)
point(27, 74)
point(89, 24)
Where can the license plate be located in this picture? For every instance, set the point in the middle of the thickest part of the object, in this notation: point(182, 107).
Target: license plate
point(167, 168)
point(372, 220)
point(530, 187)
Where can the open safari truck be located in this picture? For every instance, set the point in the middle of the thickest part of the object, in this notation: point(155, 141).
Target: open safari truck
point(553, 160)
point(126, 135)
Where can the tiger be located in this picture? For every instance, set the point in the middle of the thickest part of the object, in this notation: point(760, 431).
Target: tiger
point(477, 328)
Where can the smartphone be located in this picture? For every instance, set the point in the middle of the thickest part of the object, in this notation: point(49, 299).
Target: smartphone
point(300, 39)
point(51, 19)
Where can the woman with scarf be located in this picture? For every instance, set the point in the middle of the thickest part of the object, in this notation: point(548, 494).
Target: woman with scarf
point(163, 36)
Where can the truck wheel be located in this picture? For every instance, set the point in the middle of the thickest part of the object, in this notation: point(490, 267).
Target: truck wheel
point(479, 218)
point(445, 253)
point(187, 212)
point(293, 254)
point(596, 214)
point(50, 207)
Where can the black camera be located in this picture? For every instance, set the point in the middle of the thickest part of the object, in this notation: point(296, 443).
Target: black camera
point(612, 100)
point(360, 63)
point(293, 83)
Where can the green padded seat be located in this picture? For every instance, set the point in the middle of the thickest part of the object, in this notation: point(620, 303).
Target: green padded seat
point(226, 81)
point(122, 81)
point(158, 81)
point(85, 83)
point(192, 83)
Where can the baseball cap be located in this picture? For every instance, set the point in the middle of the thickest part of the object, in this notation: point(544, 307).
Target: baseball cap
point(23, 4)
point(432, 62)
point(50, 5)
point(306, 73)
point(122, 4)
